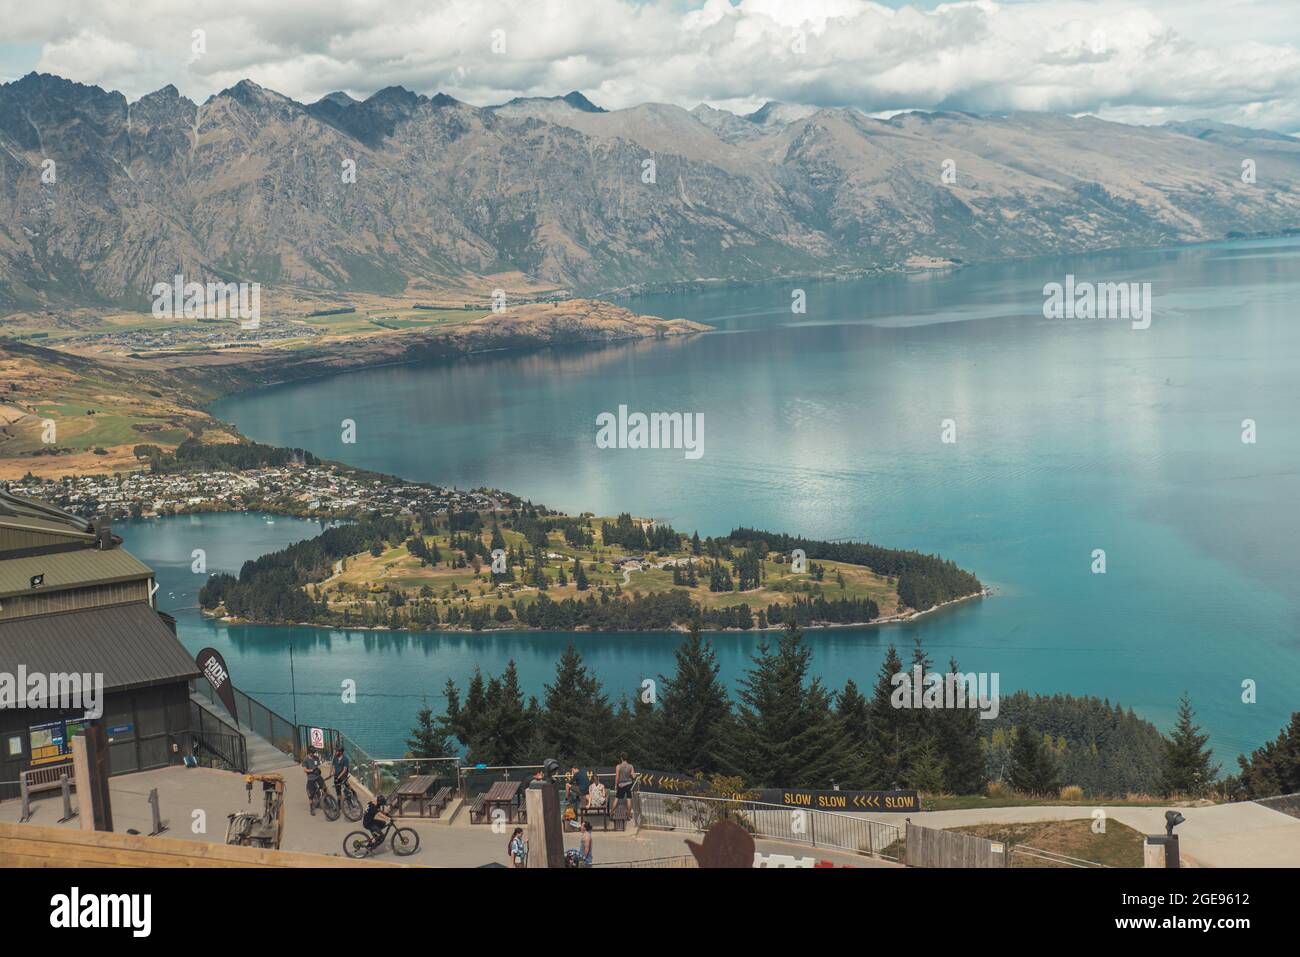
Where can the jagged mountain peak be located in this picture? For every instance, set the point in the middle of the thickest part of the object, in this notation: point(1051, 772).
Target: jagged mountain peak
point(580, 102)
point(776, 113)
point(450, 194)
point(545, 107)
point(338, 98)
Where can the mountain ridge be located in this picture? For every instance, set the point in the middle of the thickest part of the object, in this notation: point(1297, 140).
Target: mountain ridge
point(251, 185)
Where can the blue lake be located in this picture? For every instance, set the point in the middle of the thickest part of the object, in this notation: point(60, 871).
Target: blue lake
point(1071, 436)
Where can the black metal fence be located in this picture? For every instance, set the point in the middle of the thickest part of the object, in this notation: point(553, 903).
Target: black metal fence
point(213, 742)
point(256, 717)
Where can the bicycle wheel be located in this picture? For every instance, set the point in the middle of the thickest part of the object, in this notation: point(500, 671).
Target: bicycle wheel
point(357, 844)
point(330, 805)
point(351, 805)
point(405, 841)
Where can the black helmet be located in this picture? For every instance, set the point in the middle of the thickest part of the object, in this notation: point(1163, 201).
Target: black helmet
point(380, 800)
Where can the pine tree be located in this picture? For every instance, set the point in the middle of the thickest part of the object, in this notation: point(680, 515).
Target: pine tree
point(785, 731)
point(428, 739)
point(957, 738)
point(505, 735)
point(634, 733)
point(692, 709)
point(927, 770)
point(579, 575)
point(576, 720)
point(1032, 769)
point(1273, 769)
point(854, 714)
point(1186, 768)
point(886, 753)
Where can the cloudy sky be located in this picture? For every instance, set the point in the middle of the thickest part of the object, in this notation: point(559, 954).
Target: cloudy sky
point(1146, 62)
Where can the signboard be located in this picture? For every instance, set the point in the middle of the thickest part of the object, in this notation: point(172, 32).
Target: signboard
point(318, 738)
point(668, 782)
point(213, 667)
point(842, 800)
point(52, 741)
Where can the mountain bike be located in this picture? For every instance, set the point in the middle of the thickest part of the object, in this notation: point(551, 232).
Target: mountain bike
point(360, 844)
point(321, 798)
point(348, 799)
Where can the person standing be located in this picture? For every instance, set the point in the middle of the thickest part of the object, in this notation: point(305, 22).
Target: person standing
point(311, 768)
point(624, 778)
point(342, 768)
point(517, 849)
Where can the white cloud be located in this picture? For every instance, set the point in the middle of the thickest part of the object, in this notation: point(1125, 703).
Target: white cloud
point(1231, 60)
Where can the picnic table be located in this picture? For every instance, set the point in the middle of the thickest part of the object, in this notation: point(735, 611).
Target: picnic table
point(502, 794)
point(603, 812)
point(417, 789)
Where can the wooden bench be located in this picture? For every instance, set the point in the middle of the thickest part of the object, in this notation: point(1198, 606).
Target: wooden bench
point(477, 810)
point(601, 812)
point(48, 778)
point(438, 803)
point(36, 780)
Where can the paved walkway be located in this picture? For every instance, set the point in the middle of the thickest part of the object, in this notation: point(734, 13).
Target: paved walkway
point(195, 803)
point(1223, 835)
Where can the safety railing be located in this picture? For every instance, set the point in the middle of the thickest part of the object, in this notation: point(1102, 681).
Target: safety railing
point(476, 779)
point(1022, 855)
point(826, 829)
point(214, 742)
point(256, 717)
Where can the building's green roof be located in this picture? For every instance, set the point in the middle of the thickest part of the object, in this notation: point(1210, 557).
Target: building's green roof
point(128, 644)
point(26, 513)
point(74, 569)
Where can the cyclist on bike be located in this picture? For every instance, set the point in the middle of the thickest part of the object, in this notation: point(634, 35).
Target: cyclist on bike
point(341, 771)
point(376, 819)
point(311, 768)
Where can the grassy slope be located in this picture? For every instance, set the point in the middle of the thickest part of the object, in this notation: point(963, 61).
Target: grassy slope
point(93, 406)
point(1119, 846)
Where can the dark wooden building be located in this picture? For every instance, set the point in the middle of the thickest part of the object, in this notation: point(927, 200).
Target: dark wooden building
point(74, 604)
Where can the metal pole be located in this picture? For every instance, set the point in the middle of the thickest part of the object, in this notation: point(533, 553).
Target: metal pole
point(158, 825)
point(293, 688)
point(66, 785)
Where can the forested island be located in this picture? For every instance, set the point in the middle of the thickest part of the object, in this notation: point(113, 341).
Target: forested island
point(530, 567)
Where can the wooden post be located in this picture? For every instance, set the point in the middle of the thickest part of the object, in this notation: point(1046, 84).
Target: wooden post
point(545, 839)
point(81, 777)
point(25, 790)
point(90, 767)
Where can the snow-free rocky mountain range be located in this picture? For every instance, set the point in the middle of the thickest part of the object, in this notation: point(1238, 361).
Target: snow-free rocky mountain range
point(248, 186)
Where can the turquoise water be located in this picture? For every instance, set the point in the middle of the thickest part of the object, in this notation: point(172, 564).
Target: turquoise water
point(1071, 436)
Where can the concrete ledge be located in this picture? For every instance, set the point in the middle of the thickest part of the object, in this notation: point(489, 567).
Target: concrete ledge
point(30, 845)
